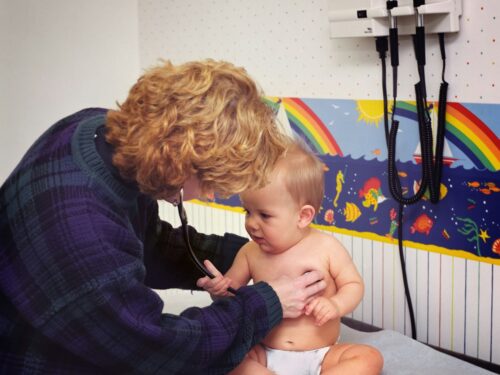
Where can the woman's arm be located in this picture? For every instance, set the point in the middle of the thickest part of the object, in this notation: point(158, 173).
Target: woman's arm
point(166, 256)
point(89, 298)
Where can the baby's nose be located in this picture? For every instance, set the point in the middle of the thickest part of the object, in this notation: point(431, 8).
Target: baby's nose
point(251, 223)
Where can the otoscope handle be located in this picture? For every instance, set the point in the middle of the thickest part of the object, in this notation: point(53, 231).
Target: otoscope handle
point(393, 34)
point(393, 40)
point(420, 45)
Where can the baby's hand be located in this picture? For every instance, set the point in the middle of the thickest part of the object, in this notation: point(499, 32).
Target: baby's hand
point(217, 286)
point(323, 309)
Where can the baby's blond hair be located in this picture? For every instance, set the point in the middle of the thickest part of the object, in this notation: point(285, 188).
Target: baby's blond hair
point(202, 118)
point(303, 174)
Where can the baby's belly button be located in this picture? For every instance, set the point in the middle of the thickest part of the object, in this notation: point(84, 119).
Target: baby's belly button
point(290, 344)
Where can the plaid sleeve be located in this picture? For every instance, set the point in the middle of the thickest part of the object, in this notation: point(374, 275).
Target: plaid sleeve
point(126, 332)
point(86, 294)
point(167, 260)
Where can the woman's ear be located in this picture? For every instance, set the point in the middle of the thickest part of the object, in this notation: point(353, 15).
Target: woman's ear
point(306, 215)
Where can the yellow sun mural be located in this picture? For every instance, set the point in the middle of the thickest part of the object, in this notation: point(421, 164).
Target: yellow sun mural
point(370, 111)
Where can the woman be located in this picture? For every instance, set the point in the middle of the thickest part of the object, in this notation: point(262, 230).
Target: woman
point(81, 242)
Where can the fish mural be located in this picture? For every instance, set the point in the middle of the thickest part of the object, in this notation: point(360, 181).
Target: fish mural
point(443, 191)
point(357, 199)
point(351, 212)
point(423, 224)
point(371, 193)
point(486, 188)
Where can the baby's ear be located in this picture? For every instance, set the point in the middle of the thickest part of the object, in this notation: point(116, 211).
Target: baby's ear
point(306, 215)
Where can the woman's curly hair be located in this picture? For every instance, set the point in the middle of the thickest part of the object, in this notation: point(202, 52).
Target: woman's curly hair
point(205, 119)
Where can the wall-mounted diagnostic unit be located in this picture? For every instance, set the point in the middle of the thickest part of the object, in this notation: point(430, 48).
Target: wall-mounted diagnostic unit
point(359, 18)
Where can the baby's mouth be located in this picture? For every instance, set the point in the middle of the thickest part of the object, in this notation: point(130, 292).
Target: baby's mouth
point(258, 239)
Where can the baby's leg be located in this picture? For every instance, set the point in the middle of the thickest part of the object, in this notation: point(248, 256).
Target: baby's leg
point(352, 359)
point(255, 362)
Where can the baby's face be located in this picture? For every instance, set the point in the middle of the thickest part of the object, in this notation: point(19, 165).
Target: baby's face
point(272, 217)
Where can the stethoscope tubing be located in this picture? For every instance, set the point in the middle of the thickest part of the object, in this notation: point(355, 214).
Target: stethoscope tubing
point(185, 235)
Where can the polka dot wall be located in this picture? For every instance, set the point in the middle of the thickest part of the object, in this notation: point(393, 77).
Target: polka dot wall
point(286, 47)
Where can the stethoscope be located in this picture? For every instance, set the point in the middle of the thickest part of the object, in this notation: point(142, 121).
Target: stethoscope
point(185, 234)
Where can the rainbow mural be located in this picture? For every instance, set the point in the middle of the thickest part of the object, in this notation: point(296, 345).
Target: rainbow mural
point(305, 122)
point(466, 131)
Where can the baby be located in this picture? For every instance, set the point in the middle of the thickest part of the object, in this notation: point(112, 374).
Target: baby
point(278, 219)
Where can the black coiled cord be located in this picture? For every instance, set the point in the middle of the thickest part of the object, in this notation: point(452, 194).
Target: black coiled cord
point(431, 164)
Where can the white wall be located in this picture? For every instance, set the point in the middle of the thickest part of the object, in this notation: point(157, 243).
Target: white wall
point(285, 45)
point(59, 56)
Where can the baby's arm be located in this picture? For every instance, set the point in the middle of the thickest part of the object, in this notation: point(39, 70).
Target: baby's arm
point(237, 275)
point(349, 285)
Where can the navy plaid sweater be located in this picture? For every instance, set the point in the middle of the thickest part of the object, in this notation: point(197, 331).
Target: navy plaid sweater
point(80, 250)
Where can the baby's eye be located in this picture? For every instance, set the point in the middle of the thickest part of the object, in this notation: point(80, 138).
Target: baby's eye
point(265, 216)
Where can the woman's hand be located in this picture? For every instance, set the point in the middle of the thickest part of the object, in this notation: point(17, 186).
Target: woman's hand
point(217, 287)
point(295, 294)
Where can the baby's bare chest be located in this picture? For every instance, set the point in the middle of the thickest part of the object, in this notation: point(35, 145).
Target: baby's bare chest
point(265, 267)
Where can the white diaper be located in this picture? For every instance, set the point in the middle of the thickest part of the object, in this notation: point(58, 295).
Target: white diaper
point(287, 362)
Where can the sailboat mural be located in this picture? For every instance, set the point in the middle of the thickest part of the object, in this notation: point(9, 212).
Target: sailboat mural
point(409, 110)
point(347, 136)
point(448, 158)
